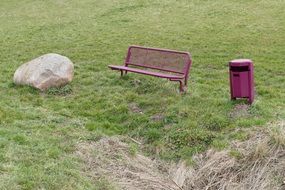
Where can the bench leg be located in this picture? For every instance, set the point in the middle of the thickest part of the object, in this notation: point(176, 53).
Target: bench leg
point(181, 86)
point(122, 72)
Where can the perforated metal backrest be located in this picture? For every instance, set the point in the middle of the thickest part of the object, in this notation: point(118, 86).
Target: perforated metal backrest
point(161, 59)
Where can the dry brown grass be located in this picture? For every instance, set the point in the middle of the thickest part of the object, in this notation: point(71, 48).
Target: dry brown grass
point(110, 158)
point(258, 165)
point(255, 164)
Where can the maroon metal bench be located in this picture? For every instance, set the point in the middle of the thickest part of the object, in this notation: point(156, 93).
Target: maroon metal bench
point(168, 64)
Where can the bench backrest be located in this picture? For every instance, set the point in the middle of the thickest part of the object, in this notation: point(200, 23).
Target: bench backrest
point(160, 59)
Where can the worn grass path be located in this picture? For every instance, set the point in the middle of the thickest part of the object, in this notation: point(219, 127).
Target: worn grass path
point(38, 131)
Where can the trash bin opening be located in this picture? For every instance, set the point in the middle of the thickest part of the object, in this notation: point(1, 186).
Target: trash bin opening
point(239, 69)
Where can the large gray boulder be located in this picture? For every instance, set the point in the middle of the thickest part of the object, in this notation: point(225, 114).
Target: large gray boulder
point(50, 70)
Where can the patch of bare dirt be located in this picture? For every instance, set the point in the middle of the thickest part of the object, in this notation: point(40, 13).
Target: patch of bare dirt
point(240, 110)
point(133, 107)
point(157, 117)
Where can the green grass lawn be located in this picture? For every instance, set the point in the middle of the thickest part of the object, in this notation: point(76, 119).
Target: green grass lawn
point(39, 131)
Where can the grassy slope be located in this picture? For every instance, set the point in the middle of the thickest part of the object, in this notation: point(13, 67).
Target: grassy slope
point(38, 131)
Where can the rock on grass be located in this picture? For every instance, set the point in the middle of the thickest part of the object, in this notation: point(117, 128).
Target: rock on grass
point(50, 70)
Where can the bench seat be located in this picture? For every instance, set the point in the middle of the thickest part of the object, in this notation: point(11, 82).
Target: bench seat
point(145, 72)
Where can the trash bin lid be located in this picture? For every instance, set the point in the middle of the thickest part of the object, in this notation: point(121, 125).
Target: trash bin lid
point(240, 62)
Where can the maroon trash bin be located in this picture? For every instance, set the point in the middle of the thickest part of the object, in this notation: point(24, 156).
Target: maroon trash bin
point(242, 79)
